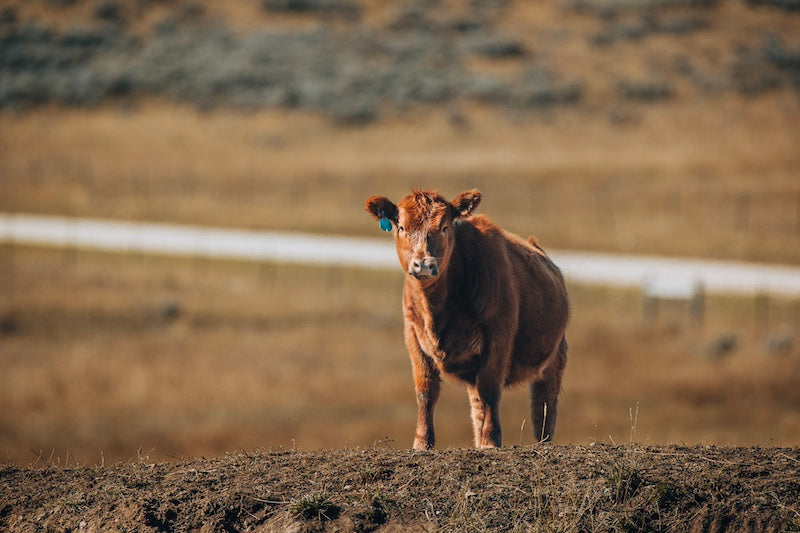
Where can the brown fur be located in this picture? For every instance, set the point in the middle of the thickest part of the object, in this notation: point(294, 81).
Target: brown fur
point(480, 305)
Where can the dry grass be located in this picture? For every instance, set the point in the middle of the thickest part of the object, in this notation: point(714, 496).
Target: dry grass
point(671, 185)
point(538, 488)
point(114, 354)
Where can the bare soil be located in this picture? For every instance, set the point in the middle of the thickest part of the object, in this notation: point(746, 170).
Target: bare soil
point(542, 488)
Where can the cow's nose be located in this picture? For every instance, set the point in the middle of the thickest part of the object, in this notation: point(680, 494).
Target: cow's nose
point(427, 267)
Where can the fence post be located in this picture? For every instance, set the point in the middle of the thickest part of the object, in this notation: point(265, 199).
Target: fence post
point(697, 305)
point(681, 293)
point(742, 212)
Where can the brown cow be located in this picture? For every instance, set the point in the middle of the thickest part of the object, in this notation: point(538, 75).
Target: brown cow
point(480, 305)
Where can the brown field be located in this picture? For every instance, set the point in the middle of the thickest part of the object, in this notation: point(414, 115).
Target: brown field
point(280, 355)
point(115, 355)
point(672, 184)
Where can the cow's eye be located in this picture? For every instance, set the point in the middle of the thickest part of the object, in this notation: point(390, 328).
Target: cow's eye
point(400, 229)
point(444, 230)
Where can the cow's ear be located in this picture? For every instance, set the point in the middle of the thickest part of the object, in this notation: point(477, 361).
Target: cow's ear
point(381, 208)
point(466, 202)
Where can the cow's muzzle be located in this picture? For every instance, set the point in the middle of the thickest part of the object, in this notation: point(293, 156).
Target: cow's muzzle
point(427, 267)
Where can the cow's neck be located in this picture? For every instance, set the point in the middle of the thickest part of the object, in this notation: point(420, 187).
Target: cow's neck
point(435, 292)
point(462, 273)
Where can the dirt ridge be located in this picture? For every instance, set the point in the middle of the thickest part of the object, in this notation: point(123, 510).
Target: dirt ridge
point(544, 488)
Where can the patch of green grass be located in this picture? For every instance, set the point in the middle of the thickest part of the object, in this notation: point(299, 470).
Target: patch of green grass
point(624, 481)
point(372, 510)
point(667, 494)
point(314, 505)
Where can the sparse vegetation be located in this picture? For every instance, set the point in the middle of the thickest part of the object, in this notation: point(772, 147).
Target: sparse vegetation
point(539, 488)
point(314, 506)
point(624, 480)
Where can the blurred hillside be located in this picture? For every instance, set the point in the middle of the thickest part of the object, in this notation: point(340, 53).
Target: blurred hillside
point(357, 61)
point(660, 126)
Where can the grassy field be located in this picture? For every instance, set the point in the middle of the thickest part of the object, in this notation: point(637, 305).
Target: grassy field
point(118, 355)
point(671, 185)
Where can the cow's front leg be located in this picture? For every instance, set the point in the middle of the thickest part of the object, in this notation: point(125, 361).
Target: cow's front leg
point(484, 394)
point(484, 399)
point(427, 383)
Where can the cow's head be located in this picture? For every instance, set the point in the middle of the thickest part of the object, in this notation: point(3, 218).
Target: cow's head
point(424, 225)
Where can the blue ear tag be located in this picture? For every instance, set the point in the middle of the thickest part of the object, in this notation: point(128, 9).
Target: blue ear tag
point(386, 224)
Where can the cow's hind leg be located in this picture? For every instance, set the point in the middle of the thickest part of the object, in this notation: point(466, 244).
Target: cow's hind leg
point(544, 396)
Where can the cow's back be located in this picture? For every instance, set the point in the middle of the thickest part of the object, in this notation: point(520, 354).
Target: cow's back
point(487, 251)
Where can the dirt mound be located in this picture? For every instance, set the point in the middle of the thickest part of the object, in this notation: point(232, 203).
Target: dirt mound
point(569, 488)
